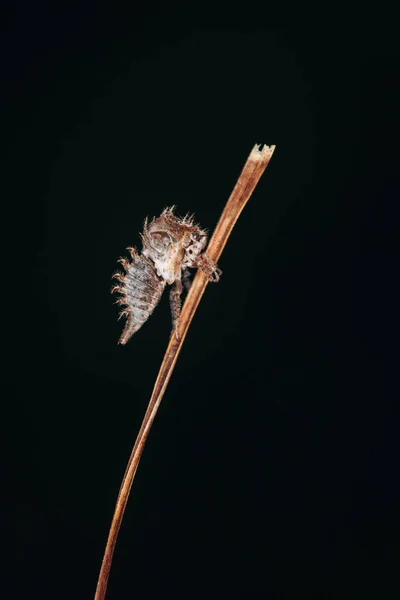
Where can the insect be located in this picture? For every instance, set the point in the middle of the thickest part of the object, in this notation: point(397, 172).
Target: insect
point(171, 246)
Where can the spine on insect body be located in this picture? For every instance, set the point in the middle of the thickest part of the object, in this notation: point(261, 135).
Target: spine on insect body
point(140, 290)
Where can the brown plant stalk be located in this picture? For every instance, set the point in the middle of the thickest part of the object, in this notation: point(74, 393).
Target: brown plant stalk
point(248, 179)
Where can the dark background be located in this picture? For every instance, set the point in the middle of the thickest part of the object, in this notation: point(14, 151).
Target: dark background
point(271, 470)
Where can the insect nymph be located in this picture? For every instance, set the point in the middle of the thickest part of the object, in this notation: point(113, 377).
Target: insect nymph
point(171, 246)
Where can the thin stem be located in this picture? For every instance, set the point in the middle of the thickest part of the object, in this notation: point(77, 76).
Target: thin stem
point(249, 177)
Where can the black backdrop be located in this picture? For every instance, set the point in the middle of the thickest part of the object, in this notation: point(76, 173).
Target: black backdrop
point(271, 468)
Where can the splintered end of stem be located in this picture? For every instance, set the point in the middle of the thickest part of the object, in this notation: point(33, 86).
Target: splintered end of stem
point(253, 169)
point(261, 152)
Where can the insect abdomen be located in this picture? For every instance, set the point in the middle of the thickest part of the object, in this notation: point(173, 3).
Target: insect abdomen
point(140, 290)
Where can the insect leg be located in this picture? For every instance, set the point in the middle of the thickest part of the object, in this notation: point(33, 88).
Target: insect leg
point(208, 266)
point(175, 303)
point(186, 279)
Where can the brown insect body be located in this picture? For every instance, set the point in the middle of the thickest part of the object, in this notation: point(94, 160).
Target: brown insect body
point(171, 246)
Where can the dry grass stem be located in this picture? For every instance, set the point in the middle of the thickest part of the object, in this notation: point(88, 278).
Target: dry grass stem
point(249, 177)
